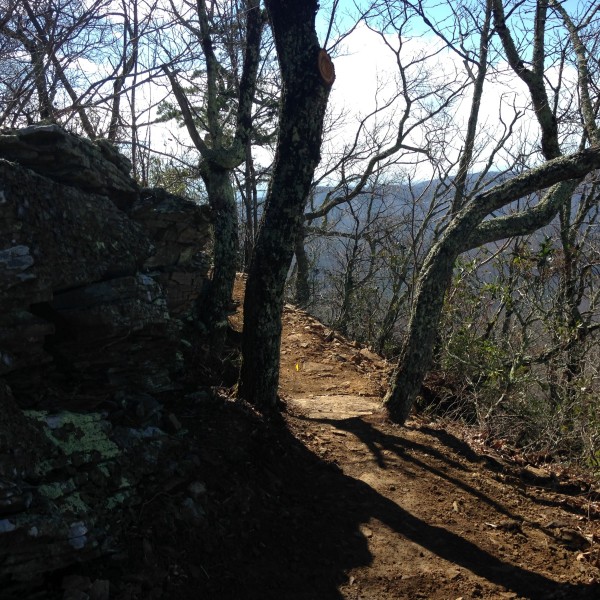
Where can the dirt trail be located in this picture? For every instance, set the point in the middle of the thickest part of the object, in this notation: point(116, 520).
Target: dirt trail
point(438, 514)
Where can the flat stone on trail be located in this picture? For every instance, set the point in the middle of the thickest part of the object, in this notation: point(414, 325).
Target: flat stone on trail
point(315, 367)
point(337, 406)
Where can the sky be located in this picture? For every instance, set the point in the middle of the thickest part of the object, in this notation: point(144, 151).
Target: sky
point(366, 71)
point(367, 74)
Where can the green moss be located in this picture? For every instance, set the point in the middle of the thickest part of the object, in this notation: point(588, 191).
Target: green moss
point(86, 433)
point(75, 504)
point(125, 483)
point(43, 467)
point(56, 489)
point(115, 500)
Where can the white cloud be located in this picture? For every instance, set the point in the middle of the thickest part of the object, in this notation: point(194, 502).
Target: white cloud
point(367, 75)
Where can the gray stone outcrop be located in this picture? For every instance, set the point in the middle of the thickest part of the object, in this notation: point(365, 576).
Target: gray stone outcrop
point(96, 279)
point(94, 272)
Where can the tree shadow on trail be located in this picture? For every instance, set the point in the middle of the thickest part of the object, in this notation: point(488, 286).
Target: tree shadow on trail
point(376, 440)
point(301, 532)
point(313, 539)
point(565, 489)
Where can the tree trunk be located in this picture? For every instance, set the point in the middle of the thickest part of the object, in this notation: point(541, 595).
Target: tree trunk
point(45, 107)
point(213, 307)
point(571, 321)
point(302, 293)
point(417, 350)
point(250, 205)
point(304, 99)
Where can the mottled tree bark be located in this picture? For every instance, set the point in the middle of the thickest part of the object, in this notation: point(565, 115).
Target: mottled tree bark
point(417, 350)
point(46, 108)
point(304, 99)
point(250, 198)
point(214, 305)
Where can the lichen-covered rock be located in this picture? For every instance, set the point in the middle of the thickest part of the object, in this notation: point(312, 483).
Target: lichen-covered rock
point(62, 477)
point(121, 335)
point(59, 243)
point(178, 227)
point(89, 293)
point(94, 282)
point(64, 518)
point(119, 306)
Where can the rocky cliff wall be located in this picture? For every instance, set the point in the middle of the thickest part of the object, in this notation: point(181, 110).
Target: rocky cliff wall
point(94, 273)
point(97, 278)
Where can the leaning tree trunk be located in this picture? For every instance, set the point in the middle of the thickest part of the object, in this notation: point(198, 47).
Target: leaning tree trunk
point(467, 231)
point(417, 350)
point(307, 75)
